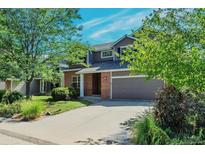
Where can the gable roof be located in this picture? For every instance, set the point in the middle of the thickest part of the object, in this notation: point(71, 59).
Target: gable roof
point(104, 67)
point(109, 45)
point(104, 46)
point(123, 37)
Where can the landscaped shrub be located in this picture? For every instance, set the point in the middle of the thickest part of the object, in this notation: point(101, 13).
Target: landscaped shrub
point(196, 116)
point(8, 110)
point(60, 93)
point(184, 139)
point(171, 110)
point(73, 92)
point(2, 92)
point(31, 111)
point(147, 132)
point(180, 111)
point(12, 96)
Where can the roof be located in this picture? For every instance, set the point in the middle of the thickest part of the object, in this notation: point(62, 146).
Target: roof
point(109, 45)
point(122, 39)
point(104, 67)
point(104, 46)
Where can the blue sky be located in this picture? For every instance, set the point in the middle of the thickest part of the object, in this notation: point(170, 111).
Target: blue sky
point(106, 25)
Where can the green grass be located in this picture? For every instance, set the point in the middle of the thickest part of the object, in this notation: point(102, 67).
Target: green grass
point(56, 107)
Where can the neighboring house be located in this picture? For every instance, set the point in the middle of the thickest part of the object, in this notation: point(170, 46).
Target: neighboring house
point(37, 87)
point(2, 85)
point(107, 78)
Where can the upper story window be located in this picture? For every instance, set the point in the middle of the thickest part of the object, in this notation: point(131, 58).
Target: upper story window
point(106, 54)
point(123, 48)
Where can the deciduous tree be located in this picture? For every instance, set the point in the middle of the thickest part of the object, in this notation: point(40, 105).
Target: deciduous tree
point(171, 47)
point(34, 41)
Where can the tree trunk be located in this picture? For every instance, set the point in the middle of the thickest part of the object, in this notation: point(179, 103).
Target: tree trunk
point(28, 87)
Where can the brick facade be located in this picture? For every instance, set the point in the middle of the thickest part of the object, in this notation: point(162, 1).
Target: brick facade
point(68, 78)
point(88, 84)
point(105, 85)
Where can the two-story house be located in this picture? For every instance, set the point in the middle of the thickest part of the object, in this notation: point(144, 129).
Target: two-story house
point(107, 78)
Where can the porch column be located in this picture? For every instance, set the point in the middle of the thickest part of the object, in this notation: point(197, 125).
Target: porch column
point(42, 86)
point(81, 85)
point(11, 85)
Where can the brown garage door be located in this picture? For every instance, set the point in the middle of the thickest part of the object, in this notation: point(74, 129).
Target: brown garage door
point(134, 88)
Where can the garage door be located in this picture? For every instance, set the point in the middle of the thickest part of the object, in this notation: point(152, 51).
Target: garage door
point(134, 88)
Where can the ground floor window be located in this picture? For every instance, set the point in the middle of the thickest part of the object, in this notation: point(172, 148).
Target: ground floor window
point(76, 82)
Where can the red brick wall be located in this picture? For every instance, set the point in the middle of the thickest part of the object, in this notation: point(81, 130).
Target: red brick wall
point(68, 78)
point(88, 85)
point(105, 85)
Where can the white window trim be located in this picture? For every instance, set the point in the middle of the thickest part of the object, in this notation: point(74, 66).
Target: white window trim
point(78, 82)
point(125, 76)
point(106, 56)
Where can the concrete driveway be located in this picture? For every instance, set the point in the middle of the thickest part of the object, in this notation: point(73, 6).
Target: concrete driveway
point(96, 124)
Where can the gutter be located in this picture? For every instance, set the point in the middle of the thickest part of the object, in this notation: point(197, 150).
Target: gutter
point(112, 70)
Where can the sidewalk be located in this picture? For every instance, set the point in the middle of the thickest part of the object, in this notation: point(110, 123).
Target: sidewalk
point(6, 140)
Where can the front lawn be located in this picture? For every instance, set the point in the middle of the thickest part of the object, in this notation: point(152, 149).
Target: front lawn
point(14, 105)
point(55, 107)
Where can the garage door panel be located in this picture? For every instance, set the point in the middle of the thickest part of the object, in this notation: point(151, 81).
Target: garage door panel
point(135, 88)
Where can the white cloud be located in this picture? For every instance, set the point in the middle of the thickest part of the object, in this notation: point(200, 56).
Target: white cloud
point(98, 21)
point(122, 23)
point(92, 23)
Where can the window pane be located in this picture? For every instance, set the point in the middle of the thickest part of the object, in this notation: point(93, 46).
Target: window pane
point(76, 82)
point(107, 53)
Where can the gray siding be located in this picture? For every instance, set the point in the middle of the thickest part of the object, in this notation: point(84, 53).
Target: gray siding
point(35, 87)
point(121, 73)
point(2, 85)
point(97, 57)
point(135, 88)
point(21, 87)
point(126, 41)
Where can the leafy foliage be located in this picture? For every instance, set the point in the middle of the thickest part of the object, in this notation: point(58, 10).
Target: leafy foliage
point(73, 92)
point(171, 47)
point(146, 131)
point(171, 109)
point(34, 41)
point(12, 96)
point(8, 110)
point(31, 111)
point(179, 111)
point(60, 93)
point(2, 92)
point(197, 139)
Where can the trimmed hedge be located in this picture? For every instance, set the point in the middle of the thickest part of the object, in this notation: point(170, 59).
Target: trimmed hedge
point(60, 93)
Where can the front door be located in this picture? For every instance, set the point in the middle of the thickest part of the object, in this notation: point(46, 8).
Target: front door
point(96, 84)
